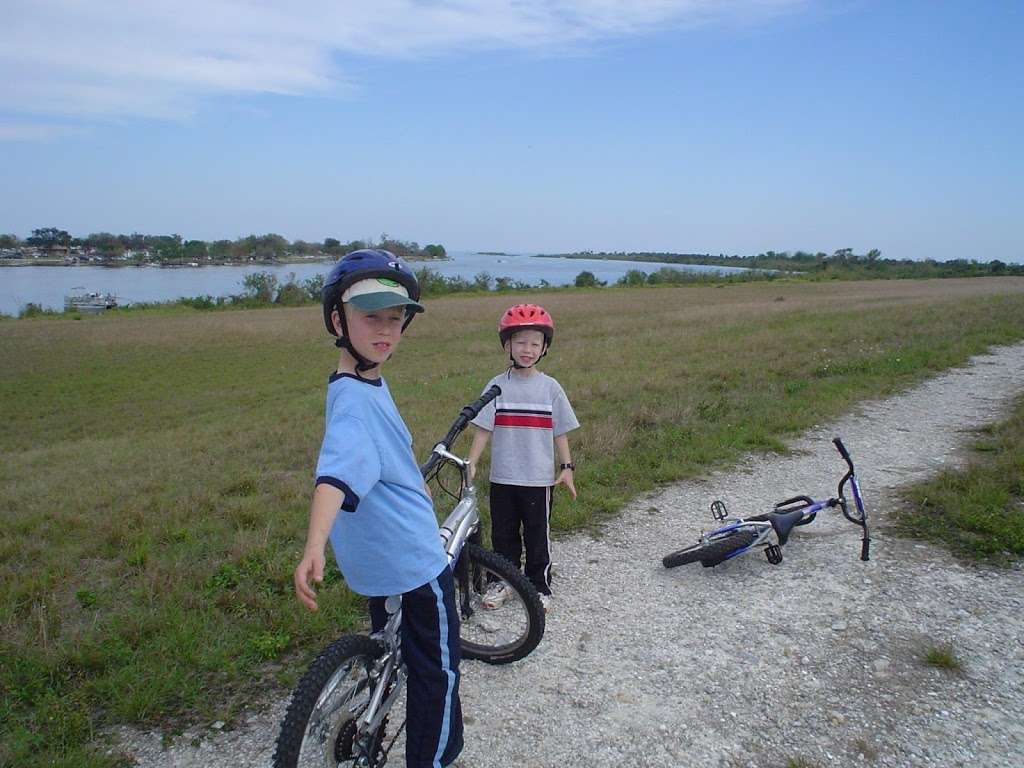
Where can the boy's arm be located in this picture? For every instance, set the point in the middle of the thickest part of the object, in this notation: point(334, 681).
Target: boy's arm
point(480, 438)
point(565, 477)
point(326, 502)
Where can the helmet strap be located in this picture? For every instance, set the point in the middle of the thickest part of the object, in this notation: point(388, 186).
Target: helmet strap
point(519, 367)
point(343, 342)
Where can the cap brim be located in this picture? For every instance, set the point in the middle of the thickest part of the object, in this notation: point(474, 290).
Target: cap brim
point(371, 302)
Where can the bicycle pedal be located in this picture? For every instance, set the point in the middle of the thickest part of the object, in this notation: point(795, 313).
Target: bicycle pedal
point(718, 510)
point(774, 553)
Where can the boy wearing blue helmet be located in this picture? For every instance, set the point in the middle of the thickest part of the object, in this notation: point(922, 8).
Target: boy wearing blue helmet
point(371, 503)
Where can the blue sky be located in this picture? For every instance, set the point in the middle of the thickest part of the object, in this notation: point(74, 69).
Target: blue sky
point(539, 125)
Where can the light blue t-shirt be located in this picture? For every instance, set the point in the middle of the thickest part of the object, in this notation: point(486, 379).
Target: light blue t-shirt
point(385, 537)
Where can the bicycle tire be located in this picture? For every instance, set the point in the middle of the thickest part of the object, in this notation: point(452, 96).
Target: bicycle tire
point(712, 552)
point(343, 667)
point(505, 634)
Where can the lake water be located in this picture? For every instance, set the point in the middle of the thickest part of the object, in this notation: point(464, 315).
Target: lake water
point(47, 286)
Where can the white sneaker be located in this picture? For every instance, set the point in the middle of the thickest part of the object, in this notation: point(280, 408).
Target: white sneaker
point(495, 596)
point(546, 601)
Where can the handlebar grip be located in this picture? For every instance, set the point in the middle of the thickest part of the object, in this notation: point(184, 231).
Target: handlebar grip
point(841, 448)
point(864, 546)
point(468, 413)
point(473, 409)
point(465, 416)
point(429, 464)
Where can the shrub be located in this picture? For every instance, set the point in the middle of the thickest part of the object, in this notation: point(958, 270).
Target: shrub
point(587, 279)
point(261, 286)
point(291, 294)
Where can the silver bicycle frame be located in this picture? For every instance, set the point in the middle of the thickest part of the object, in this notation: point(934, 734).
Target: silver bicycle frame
point(463, 521)
point(764, 530)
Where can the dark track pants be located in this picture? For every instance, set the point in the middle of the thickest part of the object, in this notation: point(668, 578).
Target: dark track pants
point(521, 515)
point(430, 647)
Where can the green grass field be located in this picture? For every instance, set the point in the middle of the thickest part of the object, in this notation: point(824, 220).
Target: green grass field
point(976, 511)
point(156, 468)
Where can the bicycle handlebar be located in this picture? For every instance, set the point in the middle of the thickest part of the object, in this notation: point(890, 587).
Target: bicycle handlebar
point(467, 414)
point(843, 452)
point(862, 521)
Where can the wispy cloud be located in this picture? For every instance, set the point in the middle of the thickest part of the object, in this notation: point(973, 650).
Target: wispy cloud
point(114, 59)
point(35, 131)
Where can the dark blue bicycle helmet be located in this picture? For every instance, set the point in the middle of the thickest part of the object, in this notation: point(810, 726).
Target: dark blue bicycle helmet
point(366, 264)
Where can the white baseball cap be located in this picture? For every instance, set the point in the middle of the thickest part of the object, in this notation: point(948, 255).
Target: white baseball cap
point(379, 293)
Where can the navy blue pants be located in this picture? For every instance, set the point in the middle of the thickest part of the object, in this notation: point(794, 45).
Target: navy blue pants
point(520, 515)
point(430, 648)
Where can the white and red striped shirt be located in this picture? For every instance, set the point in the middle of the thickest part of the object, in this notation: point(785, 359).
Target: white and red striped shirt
point(530, 412)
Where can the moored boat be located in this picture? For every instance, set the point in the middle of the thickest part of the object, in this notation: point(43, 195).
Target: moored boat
point(89, 301)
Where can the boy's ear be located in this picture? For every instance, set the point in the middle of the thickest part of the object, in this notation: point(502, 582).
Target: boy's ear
point(336, 321)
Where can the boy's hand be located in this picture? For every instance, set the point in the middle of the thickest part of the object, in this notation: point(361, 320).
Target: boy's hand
point(311, 567)
point(565, 478)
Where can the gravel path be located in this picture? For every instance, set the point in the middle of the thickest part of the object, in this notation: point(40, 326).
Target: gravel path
point(748, 664)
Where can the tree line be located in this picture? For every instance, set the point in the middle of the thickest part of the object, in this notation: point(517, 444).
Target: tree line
point(176, 249)
point(840, 264)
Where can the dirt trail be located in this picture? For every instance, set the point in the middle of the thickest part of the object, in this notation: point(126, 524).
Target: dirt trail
point(748, 664)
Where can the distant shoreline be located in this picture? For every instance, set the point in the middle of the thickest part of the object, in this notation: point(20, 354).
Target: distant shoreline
point(187, 265)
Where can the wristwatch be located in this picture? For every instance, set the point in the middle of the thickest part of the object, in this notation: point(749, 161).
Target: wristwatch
point(571, 465)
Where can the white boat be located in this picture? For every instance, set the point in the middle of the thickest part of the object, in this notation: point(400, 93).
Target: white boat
point(89, 301)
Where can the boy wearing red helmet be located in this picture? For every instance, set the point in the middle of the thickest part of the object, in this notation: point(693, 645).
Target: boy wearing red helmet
point(529, 423)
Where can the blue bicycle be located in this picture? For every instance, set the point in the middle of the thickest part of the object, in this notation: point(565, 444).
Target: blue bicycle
point(740, 536)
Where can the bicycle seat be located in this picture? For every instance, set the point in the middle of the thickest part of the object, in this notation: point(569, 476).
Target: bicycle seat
point(783, 523)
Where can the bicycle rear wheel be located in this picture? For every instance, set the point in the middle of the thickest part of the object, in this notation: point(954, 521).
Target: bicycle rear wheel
point(319, 726)
point(712, 552)
point(501, 633)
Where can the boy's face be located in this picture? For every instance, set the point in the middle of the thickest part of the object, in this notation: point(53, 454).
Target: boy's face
point(376, 334)
point(526, 347)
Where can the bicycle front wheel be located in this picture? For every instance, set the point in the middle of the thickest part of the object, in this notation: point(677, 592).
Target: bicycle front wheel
point(501, 613)
point(319, 727)
point(712, 552)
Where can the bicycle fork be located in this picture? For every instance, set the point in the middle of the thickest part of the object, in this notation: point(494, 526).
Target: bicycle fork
point(388, 675)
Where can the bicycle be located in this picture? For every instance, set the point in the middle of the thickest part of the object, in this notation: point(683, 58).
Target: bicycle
point(339, 711)
point(742, 535)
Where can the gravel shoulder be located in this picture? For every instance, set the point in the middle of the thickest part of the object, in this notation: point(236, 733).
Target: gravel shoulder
point(748, 664)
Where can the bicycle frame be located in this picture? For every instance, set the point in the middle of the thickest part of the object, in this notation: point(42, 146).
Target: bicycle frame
point(764, 525)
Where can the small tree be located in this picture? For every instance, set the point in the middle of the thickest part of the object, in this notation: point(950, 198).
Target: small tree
point(261, 286)
point(220, 250)
point(483, 281)
point(195, 250)
point(49, 238)
point(587, 279)
point(314, 287)
point(633, 277)
point(291, 293)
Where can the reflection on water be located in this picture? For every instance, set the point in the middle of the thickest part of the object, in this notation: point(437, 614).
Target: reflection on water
point(47, 286)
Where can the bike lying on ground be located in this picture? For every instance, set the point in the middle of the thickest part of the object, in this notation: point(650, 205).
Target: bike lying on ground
point(740, 536)
point(339, 711)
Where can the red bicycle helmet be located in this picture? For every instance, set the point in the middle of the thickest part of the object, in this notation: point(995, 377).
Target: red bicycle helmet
point(526, 317)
